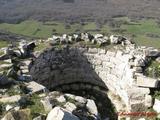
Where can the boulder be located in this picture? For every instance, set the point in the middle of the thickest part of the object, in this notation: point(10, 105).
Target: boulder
point(77, 37)
point(8, 116)
point(148, 82)
point(38, 118)
point(17, 115)
point(9, 107)
point(148, 101)
point(156, 105)
point(115, 39)
point(102, 41)
point(92, 108)
point(46, 104)
point(151, 52)
point(98, 36)
point(70, 39)
point(55, 37)
point(61, 114)
point(70, 96)
point(10, 99)
point(80, 99)
point(158, 59)
point(85, 37)
point(61, 99)
point(41, 117)
point(34, 87)
point(70, 106)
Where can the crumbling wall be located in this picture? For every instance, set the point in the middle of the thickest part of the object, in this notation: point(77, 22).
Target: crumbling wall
point(116, 70)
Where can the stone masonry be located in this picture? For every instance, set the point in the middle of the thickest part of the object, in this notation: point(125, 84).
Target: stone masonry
point(118, 70)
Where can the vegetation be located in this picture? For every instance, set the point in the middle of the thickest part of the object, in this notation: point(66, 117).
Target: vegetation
point(143, 32)
point(3, 44)
point(35, 106)
point(17, 89)
point(41, 46)
point(153, 70)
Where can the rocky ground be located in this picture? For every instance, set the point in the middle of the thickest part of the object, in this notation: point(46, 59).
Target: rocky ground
point(21, 98)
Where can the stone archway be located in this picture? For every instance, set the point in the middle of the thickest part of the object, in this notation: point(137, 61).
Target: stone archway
point(94, 70)
point(68, 70)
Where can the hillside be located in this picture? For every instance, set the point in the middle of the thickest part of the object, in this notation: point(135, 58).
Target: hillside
point(14, 11)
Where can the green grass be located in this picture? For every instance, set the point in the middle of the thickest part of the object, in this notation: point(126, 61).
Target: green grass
point(3, 44)
point(35, 106)
point(147, 41)
point(153, 70)
point(140, 29)
point(41, 46)
point(157, 95)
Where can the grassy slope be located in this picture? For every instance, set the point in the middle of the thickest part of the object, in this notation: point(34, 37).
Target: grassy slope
point(141, 30)
point(38, 29)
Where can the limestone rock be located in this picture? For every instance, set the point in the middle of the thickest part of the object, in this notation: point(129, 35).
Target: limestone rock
point(114, 39)
point(98, 36)
point(142, 119)
point(8, 107)
point(41, 117)
point(11, 99)
point(148, 101)
point(61, 99)
point(80, 99)
point(151, 52)
point(46, 103)
point(34, 87)
point(60, 114)
point(156, 105)
point(38, 118)
point(17, 115)
point(147, 82)
point(70, 96)
point(8, 116)
point(158, 59)
point(92, 108)
point(70, 106)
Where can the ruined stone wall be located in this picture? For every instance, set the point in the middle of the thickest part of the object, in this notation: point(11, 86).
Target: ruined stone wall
point(116, 70)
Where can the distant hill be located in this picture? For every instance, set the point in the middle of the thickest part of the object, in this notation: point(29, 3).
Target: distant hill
point(14, 11)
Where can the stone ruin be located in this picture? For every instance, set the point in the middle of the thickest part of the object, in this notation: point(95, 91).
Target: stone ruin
point(98, 72)
point(109, 80)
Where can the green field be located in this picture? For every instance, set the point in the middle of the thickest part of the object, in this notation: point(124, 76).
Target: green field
point(143, 32)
